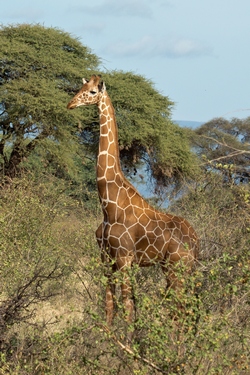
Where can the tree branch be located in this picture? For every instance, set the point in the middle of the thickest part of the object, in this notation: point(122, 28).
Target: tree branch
point(232, 154)
point(128, 350)
point(226, 145)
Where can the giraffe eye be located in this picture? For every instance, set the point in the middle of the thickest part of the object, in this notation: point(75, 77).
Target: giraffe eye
point(93, 92)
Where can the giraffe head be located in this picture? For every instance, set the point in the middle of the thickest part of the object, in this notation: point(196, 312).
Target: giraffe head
point(90, 93)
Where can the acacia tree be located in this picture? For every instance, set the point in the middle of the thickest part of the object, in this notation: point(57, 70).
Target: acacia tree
point(40, 70)
point(38, 66)
point(224, 146)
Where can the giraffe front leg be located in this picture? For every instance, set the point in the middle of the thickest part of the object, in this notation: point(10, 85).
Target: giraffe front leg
point(109, 270)
point(109, 301)
point(124, 264)
point(110, 287)
point(126, 298)
point(128, 304)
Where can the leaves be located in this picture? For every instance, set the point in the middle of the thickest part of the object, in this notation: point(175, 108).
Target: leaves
point(39, 66)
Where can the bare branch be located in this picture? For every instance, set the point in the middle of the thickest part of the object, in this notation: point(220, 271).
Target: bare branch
point(226, 145)
point(232, 154)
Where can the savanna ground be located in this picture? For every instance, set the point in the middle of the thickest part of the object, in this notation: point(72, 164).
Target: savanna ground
point(52, 288)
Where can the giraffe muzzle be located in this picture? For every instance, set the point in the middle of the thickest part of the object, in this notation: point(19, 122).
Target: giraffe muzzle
point(71, 105)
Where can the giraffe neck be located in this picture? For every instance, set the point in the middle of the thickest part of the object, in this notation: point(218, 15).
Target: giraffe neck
point(108, 162)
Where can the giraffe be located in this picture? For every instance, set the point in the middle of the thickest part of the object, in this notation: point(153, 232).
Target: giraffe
point(132, 230)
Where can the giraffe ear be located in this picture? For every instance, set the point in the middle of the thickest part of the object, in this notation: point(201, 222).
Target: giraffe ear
point(102, 87)
point(84, 81)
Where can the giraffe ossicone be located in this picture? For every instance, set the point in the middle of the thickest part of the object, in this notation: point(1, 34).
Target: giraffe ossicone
point(132, 231)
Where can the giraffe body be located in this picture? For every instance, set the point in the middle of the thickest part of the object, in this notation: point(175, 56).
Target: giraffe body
point(132, 231)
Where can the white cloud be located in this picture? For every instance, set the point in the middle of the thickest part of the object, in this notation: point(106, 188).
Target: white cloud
point(131, 8)
point(25, 13)
point(141, 47)
point(148, 46)
point(182, 47)
point(92, 28)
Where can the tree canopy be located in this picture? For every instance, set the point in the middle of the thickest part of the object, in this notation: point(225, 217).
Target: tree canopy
point(40, 70)
point(38, 66)
point(224, 147)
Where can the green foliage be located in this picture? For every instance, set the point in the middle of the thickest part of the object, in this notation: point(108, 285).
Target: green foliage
point(38, 67)
point(40, 70)
point(202, 330)
point(34, 263)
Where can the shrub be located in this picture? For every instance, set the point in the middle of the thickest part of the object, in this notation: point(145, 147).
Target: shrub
point(203, 330)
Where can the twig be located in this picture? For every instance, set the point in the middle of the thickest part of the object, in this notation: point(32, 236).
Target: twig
point(128, 350)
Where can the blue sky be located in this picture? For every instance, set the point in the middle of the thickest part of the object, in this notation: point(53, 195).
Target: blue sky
point(195, 51)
